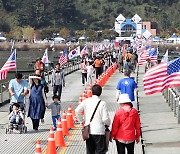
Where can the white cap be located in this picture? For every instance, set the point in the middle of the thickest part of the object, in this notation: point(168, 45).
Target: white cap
point(124, 98)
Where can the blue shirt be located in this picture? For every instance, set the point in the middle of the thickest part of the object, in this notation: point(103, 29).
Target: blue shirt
point(127, 85)
point(18, 89)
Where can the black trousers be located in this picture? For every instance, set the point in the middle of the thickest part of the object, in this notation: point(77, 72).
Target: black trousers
point(35, 123)
point(98, 71)
point(96, 144)
point(57, 89)
point(84, 77)
point(121, 147)
point(43, 110)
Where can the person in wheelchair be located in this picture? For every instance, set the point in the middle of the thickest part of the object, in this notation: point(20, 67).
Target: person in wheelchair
point(16, 117)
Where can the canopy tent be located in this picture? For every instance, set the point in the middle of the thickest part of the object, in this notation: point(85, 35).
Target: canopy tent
point(59, 39)
point(174, 39)
point(174, 36)
point(2, 38)
point(83, 37)
point(156, 39)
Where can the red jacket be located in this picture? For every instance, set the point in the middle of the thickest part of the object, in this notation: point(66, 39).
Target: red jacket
point(126, 125)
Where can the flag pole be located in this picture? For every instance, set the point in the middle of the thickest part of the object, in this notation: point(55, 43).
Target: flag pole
point(12, 48)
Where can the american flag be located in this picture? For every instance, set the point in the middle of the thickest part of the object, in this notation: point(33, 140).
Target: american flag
point(162, 76)
point(63, 59)
point(143, 55)
point(153, 54)
point(84, 51)
point(9, 65)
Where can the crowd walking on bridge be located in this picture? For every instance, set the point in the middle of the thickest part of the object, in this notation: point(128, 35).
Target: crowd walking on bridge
point(126, 124)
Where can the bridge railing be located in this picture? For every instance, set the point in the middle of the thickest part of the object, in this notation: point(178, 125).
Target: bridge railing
point(142, 150)
point(68, 68)
point(173, 100)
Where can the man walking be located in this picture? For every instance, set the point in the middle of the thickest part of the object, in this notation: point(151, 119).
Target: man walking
point(58, 80)
point(18, 89)
point(96, 144)
point(127, 85)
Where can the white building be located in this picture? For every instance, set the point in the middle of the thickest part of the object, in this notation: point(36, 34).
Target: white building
point(133, 25)
point(174, 39)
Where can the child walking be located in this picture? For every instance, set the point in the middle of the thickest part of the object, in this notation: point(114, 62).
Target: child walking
point(55, 109)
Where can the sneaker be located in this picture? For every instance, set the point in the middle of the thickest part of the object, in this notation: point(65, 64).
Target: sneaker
point(11, 126)
point(16, 127)
point(35, 130)
point(42, 121)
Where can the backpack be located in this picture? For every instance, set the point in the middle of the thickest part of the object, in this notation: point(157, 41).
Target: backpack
point(127, 66)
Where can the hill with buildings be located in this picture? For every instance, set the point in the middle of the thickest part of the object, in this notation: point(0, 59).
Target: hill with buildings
point(51, 15)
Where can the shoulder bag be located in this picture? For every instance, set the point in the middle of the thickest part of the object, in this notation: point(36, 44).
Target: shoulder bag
point(86, 129)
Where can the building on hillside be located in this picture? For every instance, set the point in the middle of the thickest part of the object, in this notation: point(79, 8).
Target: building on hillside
point(150, 26)
point(174, 39)
point(134, 27)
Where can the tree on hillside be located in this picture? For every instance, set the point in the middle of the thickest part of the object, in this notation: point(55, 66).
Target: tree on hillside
point(91, 35)
point(108, 34)
point(28, 33)
point(17, 33)
point(64, 32)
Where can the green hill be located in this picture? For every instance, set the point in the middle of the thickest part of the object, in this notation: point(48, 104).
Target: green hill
point(86, 14)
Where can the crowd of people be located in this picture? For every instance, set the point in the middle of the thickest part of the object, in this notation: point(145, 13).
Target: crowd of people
point(126, 124)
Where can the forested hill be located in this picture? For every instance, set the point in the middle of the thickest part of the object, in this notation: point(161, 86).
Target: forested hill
point(86, 14)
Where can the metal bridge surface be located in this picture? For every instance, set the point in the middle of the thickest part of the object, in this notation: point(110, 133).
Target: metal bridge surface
point(160, 130)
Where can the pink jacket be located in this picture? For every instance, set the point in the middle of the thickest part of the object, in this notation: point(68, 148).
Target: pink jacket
point(126, 125)
point(83, 68)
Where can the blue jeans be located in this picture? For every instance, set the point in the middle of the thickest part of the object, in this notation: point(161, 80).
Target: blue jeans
point(15, 119)
point(54, 118)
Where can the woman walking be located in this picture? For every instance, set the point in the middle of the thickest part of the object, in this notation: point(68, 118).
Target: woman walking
point(84, 71)
point(36, 100)
point(126, 126)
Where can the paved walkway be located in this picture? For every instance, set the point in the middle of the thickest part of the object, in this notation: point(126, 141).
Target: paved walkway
point(161, 132)
point(26, 142)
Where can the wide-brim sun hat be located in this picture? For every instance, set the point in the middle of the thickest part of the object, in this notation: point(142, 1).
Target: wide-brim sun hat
point(33, 77)
point(124, 98)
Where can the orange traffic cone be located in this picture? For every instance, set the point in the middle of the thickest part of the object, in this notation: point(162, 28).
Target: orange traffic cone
point(74, 116)
point(83, 96)
point(51, 148)
point(64, 125)
point(80, 98)
point(85, 91)
point(70, 123)
point(38, 147)
point(89, 92)
point(59, 139)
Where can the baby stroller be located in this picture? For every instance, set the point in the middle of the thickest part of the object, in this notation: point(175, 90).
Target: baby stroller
point(16, 120)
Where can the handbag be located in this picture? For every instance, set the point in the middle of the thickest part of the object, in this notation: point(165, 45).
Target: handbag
point(86, 129)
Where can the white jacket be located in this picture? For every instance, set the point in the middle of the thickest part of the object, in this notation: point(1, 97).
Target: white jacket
point(101, 117)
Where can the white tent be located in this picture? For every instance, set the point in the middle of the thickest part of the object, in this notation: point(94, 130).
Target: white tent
point(2, 38)
point(83, 37)
point(59, 39)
